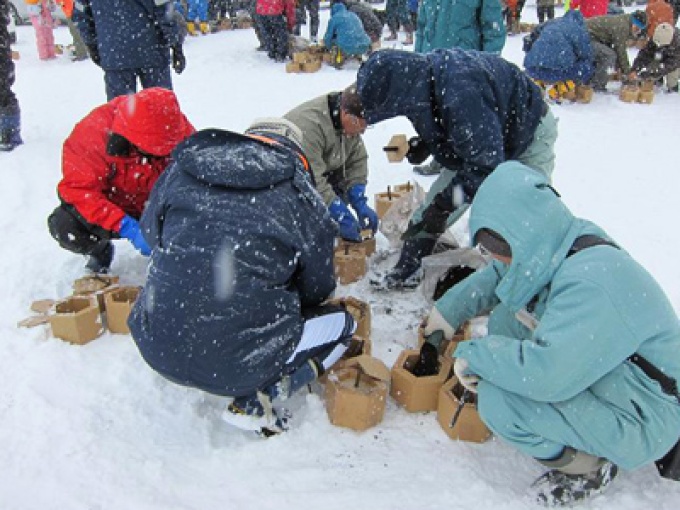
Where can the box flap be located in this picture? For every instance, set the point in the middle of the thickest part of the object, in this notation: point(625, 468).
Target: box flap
point(371, 366)
point(42, 305)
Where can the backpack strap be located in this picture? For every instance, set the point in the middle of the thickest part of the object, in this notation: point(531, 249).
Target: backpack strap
point(588, 241)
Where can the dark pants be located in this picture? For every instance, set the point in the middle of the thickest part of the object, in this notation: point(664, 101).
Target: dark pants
point(275, 35)
point(8, 101)
point(312, 6)
point(397, 14)
point(75, 234)
point(124, 81)
point(604, 58)
point(545, 12)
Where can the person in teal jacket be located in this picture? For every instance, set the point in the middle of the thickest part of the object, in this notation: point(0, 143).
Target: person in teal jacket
point(556, 376)
point(466, 24)
point(345, 31)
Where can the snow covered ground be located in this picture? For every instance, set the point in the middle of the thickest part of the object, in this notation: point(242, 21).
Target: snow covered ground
point(94, 428)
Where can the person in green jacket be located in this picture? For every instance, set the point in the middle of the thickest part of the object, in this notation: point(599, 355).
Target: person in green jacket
point(580, 366)
point(609, 37)
point(333, 125)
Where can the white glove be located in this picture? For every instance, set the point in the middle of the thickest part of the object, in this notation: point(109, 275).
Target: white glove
point(435, 322)
point(469, 381)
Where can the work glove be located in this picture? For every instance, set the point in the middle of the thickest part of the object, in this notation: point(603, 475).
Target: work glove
point(179, 61)
point(348, 226)
point(417, 151)
point(428, 361)
point(469, 381)
point(94, 54)
point(367, 216)
point(433, 222)
point(129, 229)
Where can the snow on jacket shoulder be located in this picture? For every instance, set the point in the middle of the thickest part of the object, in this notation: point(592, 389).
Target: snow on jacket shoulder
point(561, 50)
point(242, 242)
point(346, 31)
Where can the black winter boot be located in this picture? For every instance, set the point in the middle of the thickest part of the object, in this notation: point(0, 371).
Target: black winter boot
point(406, 274)
point(100, 260)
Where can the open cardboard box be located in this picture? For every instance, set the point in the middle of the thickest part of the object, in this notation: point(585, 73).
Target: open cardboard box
point(385, 200)
point(76, 320)
point(396, 148)
point(95, 287)
point(416, 394)
point(361, 311)
point(119, 303)
point(356, 394)
point(350, 264)
point(468, 425)
point(367, 243)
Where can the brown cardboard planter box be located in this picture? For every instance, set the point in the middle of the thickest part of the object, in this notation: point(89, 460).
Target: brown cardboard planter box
point(350, 264)
point(361, 311)
point(396, 148)
point(413, 393)
point(403, 188)
point(311, 67)
point(447, 346)
point(629, 93)
point(383, 201)
point(119, 302)
point(301, 57)
point(646, 97)
point(356, 394)
point(367, 245)
point(293, 67)
point(95, 287)
point(584, 94)
point(469, 426)
point(76, 320)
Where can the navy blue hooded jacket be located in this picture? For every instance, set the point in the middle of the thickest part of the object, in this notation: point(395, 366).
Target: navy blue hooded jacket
point(129, 34)
point(473, 110)
point(241, 243)
point(559, 50)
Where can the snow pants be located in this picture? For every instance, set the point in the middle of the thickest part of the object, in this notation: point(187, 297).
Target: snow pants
point(604, 58)
point(43, 25)
point(311, 6)
point(121, 82)
point(198, 10)
point(540, 155)
point(397, 14)
point(612, 429)
point(274, 35)
point(75, 234)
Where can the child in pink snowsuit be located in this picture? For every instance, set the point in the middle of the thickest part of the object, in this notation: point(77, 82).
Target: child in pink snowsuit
point(41, 18)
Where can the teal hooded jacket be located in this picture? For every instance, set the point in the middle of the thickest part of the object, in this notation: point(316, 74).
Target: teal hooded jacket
point(467, 24)
point(593, 310)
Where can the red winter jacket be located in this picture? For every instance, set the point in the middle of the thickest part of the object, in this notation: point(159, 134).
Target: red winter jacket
point(104, 188)
point(591, 8)
point(276, 7)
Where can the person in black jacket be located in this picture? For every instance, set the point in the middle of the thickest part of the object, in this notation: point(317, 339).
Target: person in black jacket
point(10, 115)
point(131, 40)
point(242, 260)
point(472, 110)
point(660, 58)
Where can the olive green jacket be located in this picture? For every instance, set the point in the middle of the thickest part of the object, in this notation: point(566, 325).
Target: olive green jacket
point(613, 31)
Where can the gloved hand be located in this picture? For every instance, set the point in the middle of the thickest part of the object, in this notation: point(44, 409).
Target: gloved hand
point(347, 223)
point(436, 322)
point(469, 381)
point(179, 61)
point(129, 229)
point(94, 54)
point(367, 216)
point(417, 151)
point(433, 221)
point(428, 361)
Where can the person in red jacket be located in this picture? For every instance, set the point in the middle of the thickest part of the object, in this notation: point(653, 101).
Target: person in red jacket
point(110, 162)
point(276, 19)
point(591, 8)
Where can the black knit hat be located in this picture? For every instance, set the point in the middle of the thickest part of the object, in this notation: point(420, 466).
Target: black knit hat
point(493, 242)
point(350, 101)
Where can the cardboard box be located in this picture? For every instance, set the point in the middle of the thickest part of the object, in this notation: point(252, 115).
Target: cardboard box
point(16, 55)
point(446, 346)
point(119, 303)
point(361, 311)
point(76, 320)
point(468, 425)
point(396, 148)
point(383, 201)
point(629, 93)
point(356, 394)
point(350, 264)
point(646, 97)
point(311, 67)
point(368, 245)
point(302, 57)
point(93, 283)
point(584, 94)
point(413, 393)
point(293, 67)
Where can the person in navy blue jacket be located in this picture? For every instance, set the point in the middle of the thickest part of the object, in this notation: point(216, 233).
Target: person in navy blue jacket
point(10, 114)
point(131, 40)
point(472, 110)
point(242, 259)
point(559, 50)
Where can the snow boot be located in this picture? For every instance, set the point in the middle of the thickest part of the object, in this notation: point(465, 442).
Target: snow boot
point(409, 39)
point(10, 131)
point(392, 36)
point(576, 477)
point(406, 275)
point(433, 168)
point(249, 414)
point(100, 259)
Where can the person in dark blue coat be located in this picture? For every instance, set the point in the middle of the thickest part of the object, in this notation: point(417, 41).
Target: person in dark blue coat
point(559, 50)
point(10, 114)
point(242, 260)
point(131, 40)
point(472, 110)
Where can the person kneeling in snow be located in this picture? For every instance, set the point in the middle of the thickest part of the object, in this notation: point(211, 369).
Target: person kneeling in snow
point(660, 58)
point(580, 364)
point(345, 36)
point(110, 162)
point(242, 260)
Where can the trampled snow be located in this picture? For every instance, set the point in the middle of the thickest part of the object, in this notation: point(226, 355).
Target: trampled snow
point(94, 428)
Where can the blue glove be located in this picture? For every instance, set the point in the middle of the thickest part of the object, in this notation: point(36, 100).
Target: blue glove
point(347, 223)
point(367, 216)
point(129, 229)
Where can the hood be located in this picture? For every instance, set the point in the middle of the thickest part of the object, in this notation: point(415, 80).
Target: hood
point(338, 7)
point(519, 204)
point(393, 83)
point(233, 160)
point(151, 120)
